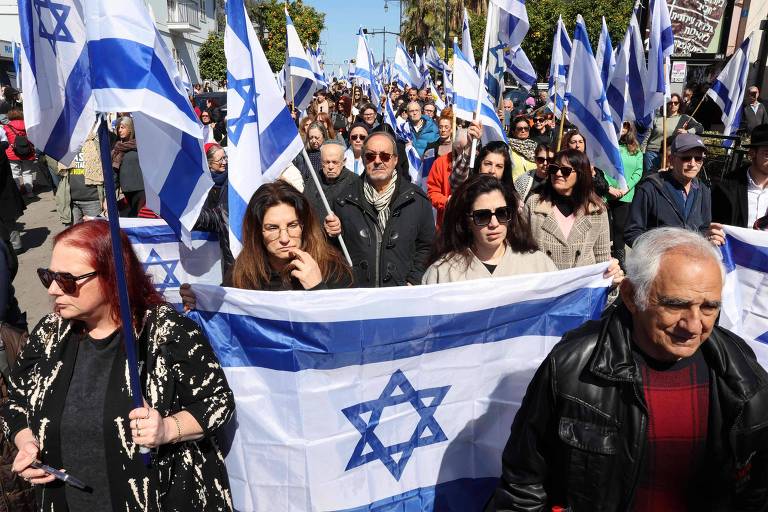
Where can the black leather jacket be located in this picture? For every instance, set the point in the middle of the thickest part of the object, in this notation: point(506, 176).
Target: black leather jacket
point(580, 434)
point(398, 255)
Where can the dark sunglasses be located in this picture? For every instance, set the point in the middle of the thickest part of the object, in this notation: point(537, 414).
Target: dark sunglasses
point(538, 120)
point(370, 157)
point(357, 137)
point(564, 170)
point(688, 158)
point(541, 159)
point(66, 281)
point(483, 217)
point(522, 128)
point(674, 103)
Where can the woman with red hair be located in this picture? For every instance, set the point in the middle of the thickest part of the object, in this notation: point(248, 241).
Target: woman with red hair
point(69, 404)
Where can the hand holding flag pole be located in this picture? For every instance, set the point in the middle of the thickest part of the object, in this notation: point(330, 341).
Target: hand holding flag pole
point(126, 318)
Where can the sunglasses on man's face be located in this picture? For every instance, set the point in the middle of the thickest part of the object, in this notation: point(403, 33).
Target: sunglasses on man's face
point(66, 281)
point(538, 120)
point(370, 157)
point(541, 159)
point(483, 217)
point(565, 171)
point(687, 158)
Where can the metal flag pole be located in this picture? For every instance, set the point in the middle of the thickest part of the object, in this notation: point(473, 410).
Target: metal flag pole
point(445, 76)
point(328, 210)
point(664, 123)
point(129, 340)
point(481, 78)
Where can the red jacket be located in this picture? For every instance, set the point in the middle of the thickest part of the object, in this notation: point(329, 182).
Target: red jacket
point(18, 125)
point(439, 186)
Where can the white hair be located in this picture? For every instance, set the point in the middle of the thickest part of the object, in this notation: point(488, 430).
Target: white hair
point(332, 144)
point(644, 259)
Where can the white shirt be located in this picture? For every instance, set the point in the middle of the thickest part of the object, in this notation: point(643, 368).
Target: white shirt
point(353, 164)
point(757, 201)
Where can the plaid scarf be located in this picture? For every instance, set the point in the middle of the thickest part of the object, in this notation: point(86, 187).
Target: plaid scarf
point(380, 201)
point(119, 150)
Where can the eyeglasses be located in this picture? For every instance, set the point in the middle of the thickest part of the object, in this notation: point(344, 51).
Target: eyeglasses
point(542, 159)
point(272, 232)
point(522, 128)
point(538, 120)
point(357, 137)
point(483, 217)
point(222, 159)
point(370, 157)
point(688, 158)
point(564, 170)
point(674, 103)
point(66, 281)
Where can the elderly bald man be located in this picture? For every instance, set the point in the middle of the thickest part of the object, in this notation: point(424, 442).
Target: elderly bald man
point(653, 407)
point(333, 178)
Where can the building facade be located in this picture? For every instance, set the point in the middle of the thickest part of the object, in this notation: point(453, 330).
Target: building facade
point(184, 25)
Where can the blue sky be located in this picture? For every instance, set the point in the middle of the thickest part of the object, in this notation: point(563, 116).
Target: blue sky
point(342, 20)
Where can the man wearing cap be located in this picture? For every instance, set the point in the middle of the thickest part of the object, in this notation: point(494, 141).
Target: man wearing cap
point(741, 198)
point(675, 198)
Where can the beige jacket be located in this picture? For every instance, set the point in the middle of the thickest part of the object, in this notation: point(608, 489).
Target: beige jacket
point(451, 268)
point(588, 242)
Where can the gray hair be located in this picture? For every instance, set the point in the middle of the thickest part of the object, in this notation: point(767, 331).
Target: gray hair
point(128, 122)
point(380, 134)
point(332, 144)
point(644, 259)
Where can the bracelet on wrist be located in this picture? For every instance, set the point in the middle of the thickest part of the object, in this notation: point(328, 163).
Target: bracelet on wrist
point(178, 428)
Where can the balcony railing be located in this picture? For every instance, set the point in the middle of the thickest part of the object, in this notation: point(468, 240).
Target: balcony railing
point(184, 13)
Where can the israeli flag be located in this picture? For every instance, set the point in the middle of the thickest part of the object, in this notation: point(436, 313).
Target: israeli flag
point(186, 82)
point(605, 58)
point(17, 63)
point(388, 399)
point(314, 62)
point(405, 71)
point(495, 68)
point(588, 107)
point(404, 134)
point(626, 90)
point(262, 137)
point(465, 86)
point(439, 103)
point(169, 262)
point(513, 21)
point(59, 106)
point(520, 68)
point(301, 84)
point(466, 40)
point(133, 71)
point(745, 295)
point(364, 69)
point(729, 88)
point(433, 60)
point(660, 45)
point(558, 69)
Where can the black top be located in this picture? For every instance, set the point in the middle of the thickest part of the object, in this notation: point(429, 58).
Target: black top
point(82, 422)
point(491, 268)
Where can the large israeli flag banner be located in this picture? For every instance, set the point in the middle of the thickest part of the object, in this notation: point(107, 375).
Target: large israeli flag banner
point(169, 262)
point(387, 399)
point(745, 296)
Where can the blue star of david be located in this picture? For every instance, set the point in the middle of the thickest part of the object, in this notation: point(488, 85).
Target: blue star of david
point(169, 281)
point(763, 337)
point(388, 398)
point(250, 114)
point(601, 101)
point(59, 12)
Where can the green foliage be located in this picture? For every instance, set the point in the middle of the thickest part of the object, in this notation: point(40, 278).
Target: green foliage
point(543, 15)
point(270, 15)
point(213, 65)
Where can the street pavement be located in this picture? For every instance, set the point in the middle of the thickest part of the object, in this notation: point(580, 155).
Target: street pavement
point(40, 224)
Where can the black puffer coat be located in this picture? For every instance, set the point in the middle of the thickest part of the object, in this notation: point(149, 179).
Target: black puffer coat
point(398, 255)
point(579, 436)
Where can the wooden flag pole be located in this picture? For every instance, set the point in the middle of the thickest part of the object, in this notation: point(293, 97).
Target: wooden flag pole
point(562, 126)
point(481, 78)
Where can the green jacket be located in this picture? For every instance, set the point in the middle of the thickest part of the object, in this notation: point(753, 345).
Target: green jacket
point(633, 171)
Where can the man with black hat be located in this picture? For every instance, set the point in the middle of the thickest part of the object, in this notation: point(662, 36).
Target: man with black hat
point(675, 198)
point(741, 198)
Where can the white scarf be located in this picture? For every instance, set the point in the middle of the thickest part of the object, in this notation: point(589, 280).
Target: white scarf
point(380, 201)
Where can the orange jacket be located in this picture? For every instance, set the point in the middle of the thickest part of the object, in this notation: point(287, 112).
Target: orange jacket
point(439, 186)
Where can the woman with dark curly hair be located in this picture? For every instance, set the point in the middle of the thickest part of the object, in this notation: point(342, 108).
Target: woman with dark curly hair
point(484, 236)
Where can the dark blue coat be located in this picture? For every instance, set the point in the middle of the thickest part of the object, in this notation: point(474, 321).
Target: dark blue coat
point(654, 206)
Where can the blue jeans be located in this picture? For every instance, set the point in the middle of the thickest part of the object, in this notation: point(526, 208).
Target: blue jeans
point(651, 162)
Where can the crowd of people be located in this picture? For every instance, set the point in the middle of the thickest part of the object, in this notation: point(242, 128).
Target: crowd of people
point(533, 204)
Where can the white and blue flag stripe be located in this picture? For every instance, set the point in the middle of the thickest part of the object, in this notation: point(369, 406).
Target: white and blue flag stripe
point(360, 399)
point(558, 69)
point(588, 107)
point(466, 40)
point(263, 139)
point(605, 58)
point(300, 76)
point(729, 88)
point(59, 107)
point(133, 71)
